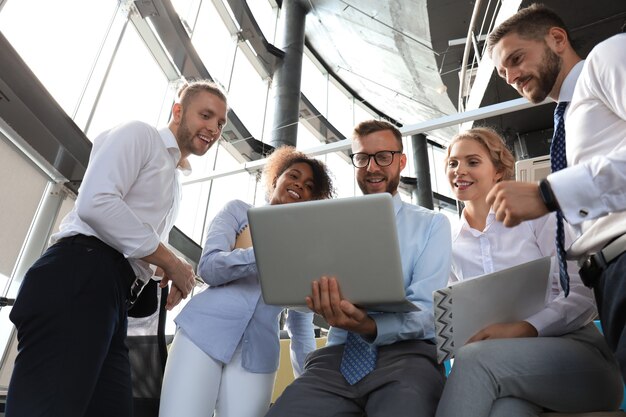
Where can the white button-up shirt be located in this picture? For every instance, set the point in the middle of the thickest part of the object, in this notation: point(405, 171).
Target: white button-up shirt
point(592, 189)
point(130, 194)
point(475, 253)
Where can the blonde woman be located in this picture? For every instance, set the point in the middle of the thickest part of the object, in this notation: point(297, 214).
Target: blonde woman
point(554, 360)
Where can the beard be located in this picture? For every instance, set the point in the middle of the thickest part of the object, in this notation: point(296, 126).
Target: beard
point(184, 136)
point(391, 188)
point(547, 75)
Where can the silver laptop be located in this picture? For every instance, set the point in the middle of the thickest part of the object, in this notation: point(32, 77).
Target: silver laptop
point(354, 239)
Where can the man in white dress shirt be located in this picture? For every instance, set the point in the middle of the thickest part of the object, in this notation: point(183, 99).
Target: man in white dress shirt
point(534, 55)
point(71, 311)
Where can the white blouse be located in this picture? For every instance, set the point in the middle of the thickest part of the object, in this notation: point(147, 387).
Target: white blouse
point(475, 253)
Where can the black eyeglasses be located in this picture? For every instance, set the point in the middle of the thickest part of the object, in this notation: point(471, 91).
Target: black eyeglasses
point(382, 158)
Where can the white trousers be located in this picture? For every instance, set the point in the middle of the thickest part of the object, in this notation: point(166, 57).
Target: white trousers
point(196, 385)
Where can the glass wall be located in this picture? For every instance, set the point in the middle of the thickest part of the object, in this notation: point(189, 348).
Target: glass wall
point(44, 33)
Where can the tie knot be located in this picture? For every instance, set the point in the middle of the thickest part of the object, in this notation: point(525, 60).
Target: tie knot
point(560, 109)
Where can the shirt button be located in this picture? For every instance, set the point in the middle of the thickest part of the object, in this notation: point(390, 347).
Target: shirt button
point(583, 212)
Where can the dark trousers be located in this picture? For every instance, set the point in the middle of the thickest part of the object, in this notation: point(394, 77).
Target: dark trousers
point(610, 292)
point(406, 382)
point(70, 316)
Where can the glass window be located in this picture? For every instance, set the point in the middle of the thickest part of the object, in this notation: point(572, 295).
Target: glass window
point(135, 89)
point(266, 17)
point(195, 196)
point(214, 43)
point(188, 12)
point(361, 113)
point(59, 48)
point(343, 174)
point(314, 84)
point(438, 178)
point(306, 138)
point(19, 178)
point(22, 188)
point(247, 95)
point(201, 201)
point(268, 132)
point(202, 165)
point(340, 110)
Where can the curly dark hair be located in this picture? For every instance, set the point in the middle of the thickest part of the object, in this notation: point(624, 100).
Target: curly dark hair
point(284, 157)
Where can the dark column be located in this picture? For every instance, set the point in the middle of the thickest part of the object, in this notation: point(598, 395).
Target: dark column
point(286, 81)
point(423, 191)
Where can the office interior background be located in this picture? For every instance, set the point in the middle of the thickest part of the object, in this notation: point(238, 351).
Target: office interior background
point(70, 69)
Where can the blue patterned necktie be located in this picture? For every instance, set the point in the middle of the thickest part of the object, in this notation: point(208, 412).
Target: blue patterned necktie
point(359, 359)
point(558, 161)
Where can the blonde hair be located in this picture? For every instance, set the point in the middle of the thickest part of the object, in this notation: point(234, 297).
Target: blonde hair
point(190, 89)
point(500, 155)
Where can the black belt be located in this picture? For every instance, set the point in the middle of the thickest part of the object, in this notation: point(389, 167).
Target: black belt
point(135, 283)
point(592, 267)
point(91, 242)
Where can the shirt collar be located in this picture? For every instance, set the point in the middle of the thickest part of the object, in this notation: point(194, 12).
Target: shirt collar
point(569, 83)
point(397, 202)
point(169, 140)
point(464, 225)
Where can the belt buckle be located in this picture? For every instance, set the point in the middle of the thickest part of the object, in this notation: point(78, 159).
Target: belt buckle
point(592, 269)
point(135, 289)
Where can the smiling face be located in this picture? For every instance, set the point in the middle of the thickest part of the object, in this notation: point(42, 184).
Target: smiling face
point(471, 173)
point(530, 66)
point(199, 124)
point(373, 178)
point(294, 185)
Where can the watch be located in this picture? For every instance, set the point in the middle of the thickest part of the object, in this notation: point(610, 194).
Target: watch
point(548, 196)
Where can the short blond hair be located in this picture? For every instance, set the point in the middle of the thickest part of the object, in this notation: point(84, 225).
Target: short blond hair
point(499, 154)
point(190, 89)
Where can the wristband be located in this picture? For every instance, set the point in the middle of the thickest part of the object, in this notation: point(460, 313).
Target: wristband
point(547, 195)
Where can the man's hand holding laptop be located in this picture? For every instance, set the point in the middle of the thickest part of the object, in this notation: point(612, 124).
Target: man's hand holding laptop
point(326, 300)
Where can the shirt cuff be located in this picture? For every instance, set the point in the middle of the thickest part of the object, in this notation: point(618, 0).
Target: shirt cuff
point(386, 329)
point(576, 194)
point(541, 321)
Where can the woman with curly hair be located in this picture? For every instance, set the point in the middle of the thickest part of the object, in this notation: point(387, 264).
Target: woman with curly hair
point(225, 353)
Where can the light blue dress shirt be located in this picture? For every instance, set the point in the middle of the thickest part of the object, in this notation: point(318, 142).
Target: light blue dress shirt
point(425, 249)
point(231, 311)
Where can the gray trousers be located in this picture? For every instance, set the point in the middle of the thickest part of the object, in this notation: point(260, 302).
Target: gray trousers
point(525, 376)
point(406, 382)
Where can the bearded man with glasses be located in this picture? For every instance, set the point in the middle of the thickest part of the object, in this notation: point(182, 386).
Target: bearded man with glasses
point(395, 372)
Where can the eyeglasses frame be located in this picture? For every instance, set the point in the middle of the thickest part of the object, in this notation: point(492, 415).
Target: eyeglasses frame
point(373, 155)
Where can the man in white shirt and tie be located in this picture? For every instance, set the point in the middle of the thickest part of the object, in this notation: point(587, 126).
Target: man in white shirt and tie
point(71, 311)
point(532, 52)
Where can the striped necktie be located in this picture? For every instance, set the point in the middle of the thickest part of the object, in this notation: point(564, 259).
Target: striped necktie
point(558, 161)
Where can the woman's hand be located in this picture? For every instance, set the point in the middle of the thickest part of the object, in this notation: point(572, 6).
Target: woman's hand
point(505, 331)
point(244, 239)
